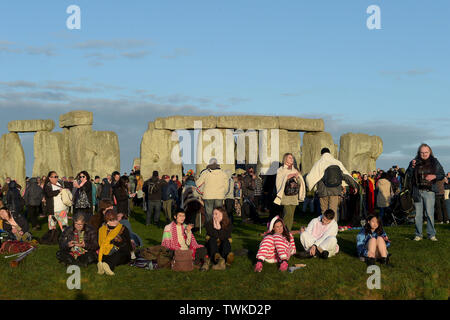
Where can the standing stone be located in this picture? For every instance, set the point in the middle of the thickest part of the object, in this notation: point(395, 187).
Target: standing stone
point(79, 156)
point(215, 143)
point(184, 122)
point(31, 125)
point(301, 124)
point(12, 159)
point(313, 142)
point(160, 151)
point(137, 163)
point(247, 122)
point(359, 152)
point(103, 147)
point(76, 118)
point(51, 154)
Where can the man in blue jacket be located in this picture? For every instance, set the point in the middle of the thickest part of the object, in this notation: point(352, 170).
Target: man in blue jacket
point(424, 171)
point(169, 196)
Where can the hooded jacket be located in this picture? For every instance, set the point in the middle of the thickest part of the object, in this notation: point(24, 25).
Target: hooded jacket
point(13, 198)
point(33, 194)
point(214, 183)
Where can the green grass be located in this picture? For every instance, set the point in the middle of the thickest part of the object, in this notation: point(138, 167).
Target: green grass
point(421, 271)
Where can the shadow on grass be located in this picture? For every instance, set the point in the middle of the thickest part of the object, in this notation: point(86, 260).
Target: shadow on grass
point(81, 296)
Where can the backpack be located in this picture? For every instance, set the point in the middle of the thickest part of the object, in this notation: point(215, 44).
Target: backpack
point(162, 255)
point(332, 177)
point(66, 197)
point(182, 261)
point(291, 188)
point(83, 200)
point(152, 187)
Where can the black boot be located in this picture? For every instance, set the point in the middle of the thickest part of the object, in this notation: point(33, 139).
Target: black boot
point(304, 255)
point(324, 254)
point(370, 261)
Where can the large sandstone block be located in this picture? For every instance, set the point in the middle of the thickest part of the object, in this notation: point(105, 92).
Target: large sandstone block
point(31, 125)
point(12, 158)
point(160, 151)
point(247, 122)
point(359, 152)
point(76, 118)
point(51, 154)
point(301, 124)
point(183, 122)
point(313, 142)
point(215, 143)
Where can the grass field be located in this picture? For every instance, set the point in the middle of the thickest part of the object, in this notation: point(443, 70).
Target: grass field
point(420, 271)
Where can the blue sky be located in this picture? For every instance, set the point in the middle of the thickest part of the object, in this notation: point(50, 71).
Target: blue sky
point(134, 61)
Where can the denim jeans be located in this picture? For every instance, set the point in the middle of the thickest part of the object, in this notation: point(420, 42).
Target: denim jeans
point(425, 206)
point(153, 205)
point(210, 204)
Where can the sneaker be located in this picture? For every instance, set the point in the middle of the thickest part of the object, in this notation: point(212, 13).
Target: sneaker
point(324, 254)
point(230, 258)
point(284, 266)
point(433, 238)
point(417, 238)
point(258, 266)
point(100, 268)
point(220, 265)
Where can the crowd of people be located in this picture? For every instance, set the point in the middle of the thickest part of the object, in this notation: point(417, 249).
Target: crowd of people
point(101, 233)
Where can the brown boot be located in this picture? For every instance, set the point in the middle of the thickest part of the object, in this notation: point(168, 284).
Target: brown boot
point(220, 265)
point(230, 258)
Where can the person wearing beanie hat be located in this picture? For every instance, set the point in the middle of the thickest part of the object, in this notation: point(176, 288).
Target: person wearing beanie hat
point(277, 246)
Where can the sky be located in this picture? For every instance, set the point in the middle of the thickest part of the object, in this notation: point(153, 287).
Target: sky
point(131, 62)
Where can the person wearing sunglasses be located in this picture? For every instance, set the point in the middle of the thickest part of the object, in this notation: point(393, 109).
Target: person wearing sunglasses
point(55, 209)
point(83, 201)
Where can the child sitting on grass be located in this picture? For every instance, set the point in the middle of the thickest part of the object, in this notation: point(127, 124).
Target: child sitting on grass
point(277, 246)
point(372, 242)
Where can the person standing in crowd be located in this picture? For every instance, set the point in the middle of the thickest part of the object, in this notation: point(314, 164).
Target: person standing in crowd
point(237, 191)
point(14, 200)
point(277, 246)
point(105, 190)
point(115, 178)
point(214, 183)
point(152, 189)
point(440, 207)
point(97, 185)
point(447, 195)
point(33, 198)
point(218, 239)
point(327, 173)
point(369, 194)
point(229, 196)
point(290, 189)
point(78, 244)
point(258, 193)
point(424, 171)
point(56, 210)
point(319, 238)
point(82, 200)
point(249, 207)
point(384, 195)
point(120, 194)
point(169, 196)
point(372, 242)
point(115, 244)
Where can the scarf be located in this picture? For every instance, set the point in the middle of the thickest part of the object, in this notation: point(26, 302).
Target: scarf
point(170, 238)
point(76, 251)
point(105, 236)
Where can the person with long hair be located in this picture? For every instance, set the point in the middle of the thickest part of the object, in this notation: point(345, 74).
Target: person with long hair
point(54, 207)
point(115, 244)
point(78, 244)
point(277, 246)
point(372, 242)
point(121, 195)
point(14, 224)
point(218, 239)
point(425, 171)
point(82, 200)
point(290, 188)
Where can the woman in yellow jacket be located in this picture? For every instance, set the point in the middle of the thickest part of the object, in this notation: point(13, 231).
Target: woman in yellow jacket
point(115, 245)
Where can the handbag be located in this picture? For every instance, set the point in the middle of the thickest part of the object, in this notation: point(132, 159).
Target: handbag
point(291, 188)
point(182, 261)
point(82, 201)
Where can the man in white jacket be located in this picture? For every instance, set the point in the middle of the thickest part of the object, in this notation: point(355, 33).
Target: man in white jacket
point(319, 238)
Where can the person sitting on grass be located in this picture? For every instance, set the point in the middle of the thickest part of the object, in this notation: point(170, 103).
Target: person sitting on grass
point(218, 239)
point(277, 246)
point(319, 238)
point(115, 245)
point(78, 243)
point(178, 236)
point(15, 225)
point(372, 242)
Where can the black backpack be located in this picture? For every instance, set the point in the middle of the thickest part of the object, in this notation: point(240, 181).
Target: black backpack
point(332, 177)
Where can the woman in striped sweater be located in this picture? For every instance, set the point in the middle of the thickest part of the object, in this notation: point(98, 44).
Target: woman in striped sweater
point(277, 246)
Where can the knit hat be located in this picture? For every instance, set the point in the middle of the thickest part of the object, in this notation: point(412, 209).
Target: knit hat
point(272, 223)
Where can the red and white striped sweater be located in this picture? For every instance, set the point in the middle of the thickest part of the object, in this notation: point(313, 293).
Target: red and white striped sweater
point(275, 248)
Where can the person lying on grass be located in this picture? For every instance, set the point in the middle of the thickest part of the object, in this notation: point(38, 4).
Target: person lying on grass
point(178, 236)
point(277, 246)
point(372, 242)
point(218, 239)
point(115, 245)
point(319, 238)
point(78, 243)
point(15, 225)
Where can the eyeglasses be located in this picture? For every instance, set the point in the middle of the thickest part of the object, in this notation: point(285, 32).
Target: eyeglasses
point(82, 176)
point(55, 177)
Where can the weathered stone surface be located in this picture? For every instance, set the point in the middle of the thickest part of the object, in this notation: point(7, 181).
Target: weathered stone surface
point(137, 163)
point(51, 154)
point(215, 143)
point(76, 118)
point(247, 122)
point(247, 147)
point(160, 152)
point(12, 158)
point(360, 152)
point(301, 124)
point(31, 125)
point(183, 122)
point(313, 142)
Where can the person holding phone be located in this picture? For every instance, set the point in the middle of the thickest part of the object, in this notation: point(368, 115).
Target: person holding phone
point(83, 202)
point(178, 236)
